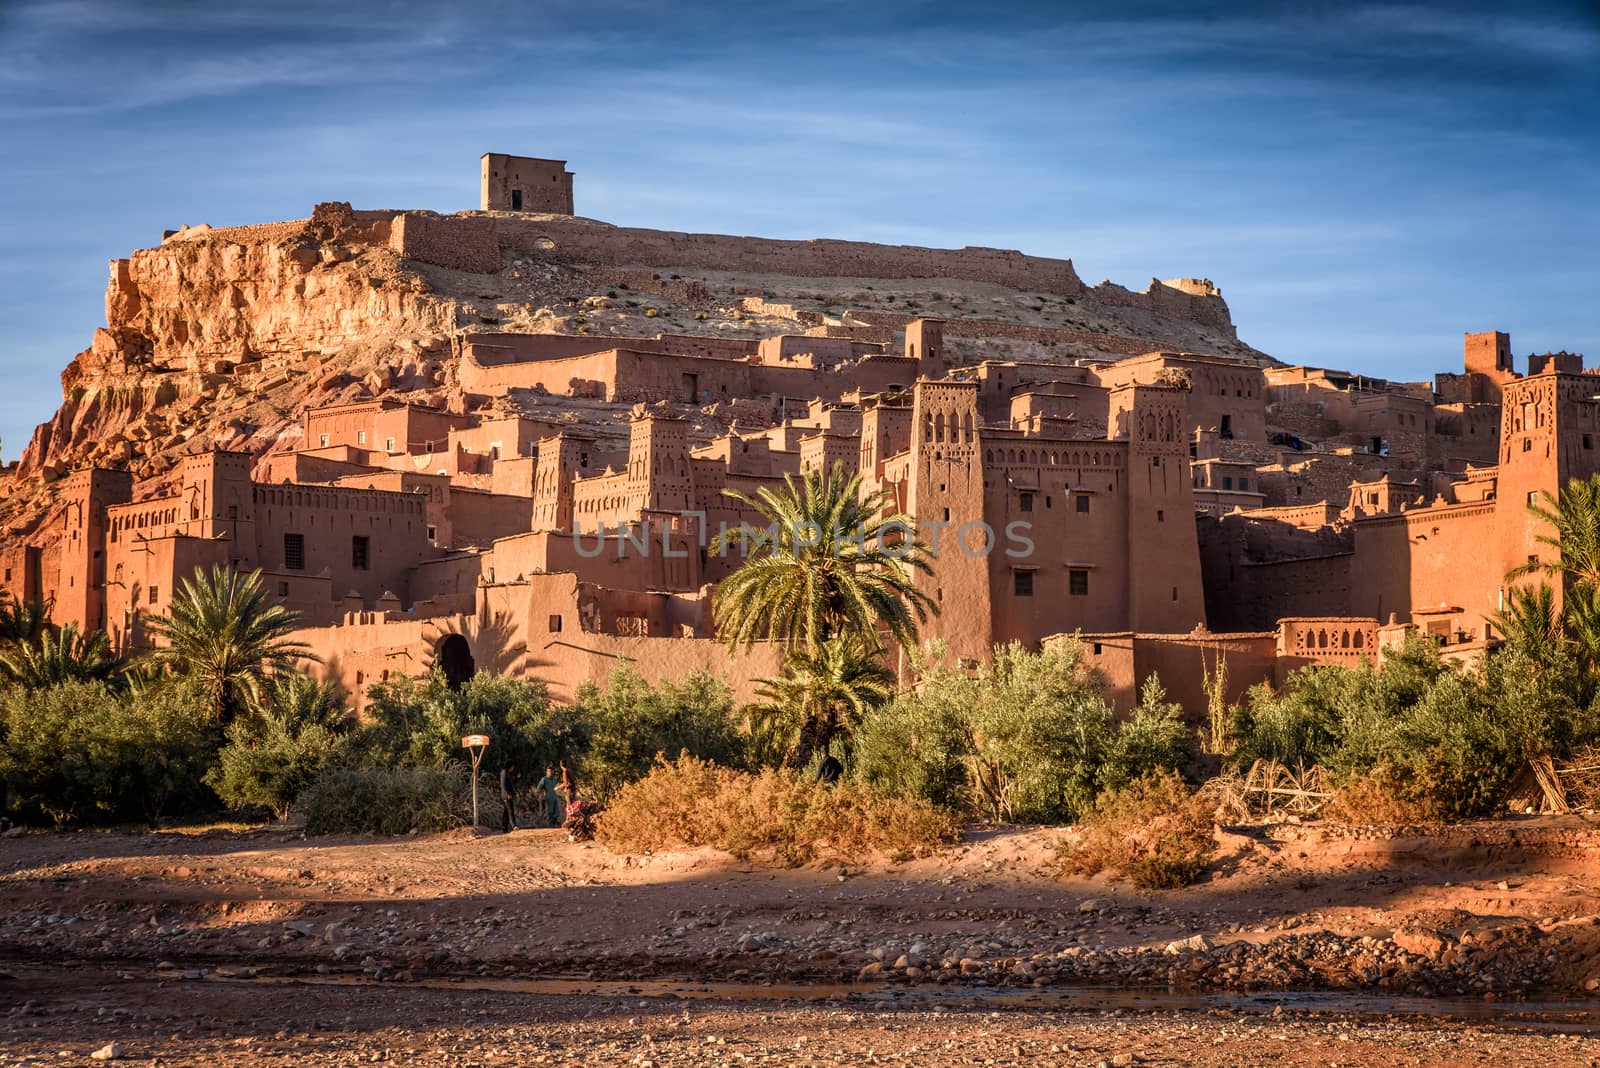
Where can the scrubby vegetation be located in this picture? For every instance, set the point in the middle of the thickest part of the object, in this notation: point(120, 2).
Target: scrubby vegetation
point(1418, 736)
point(772, 813)
point(1029, 738)
point(1155, 830)
point(388, 800)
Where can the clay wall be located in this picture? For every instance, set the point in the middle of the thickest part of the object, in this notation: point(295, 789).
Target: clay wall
point(582, 241)
point(821, 451)
point(527, 630)
point(791, 347)
point(1465, 433)
point(496, 349)
point(141, 582)
point(20, 572)
point(1225, 396)
point(465, 243)
point(1424, 558)
point(616, 375)
point(1041, 483)
point(313, 466)
point(1125, 660)
point(1324, 640)
point(1260, 566)
point(329, 520)
point(1079, 342)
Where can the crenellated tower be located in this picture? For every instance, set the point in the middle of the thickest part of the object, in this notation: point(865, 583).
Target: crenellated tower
point(946, 499)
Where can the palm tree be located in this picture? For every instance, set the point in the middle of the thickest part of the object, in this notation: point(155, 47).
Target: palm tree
point(1574, 521)
point(819, 697)
point(827, 564)
point(222, 629)
point(22, 622)
point(57, 657)
point(1530, 620)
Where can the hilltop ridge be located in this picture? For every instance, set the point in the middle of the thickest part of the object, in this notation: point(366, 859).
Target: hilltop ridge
point(222, 337)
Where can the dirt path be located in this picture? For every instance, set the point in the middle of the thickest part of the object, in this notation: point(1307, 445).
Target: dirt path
point(68, 1013)
point(1498, 912)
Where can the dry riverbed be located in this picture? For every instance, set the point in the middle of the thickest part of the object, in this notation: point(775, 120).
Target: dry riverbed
point(1468, 944)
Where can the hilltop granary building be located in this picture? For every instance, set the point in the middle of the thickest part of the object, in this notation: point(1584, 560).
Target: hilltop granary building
point(1175, 508)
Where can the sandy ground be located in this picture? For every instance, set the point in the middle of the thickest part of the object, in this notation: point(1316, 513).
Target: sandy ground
point(1397, 947)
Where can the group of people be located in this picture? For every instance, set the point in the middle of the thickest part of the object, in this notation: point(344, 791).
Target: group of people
point(550, 797)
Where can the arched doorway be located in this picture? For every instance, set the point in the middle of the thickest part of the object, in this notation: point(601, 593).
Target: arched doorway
point(454, 657)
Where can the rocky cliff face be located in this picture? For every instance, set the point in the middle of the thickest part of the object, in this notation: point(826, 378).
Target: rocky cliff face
point(222, 338)
point(214, 342)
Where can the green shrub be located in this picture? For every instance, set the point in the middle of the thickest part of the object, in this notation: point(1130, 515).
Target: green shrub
point(913, 747)
point(420, 723)
point(1155, 832)
point(632, 723)
point(1029, 738)
point(388, 801)
point(82, 752)
point(1154, 736)
point(1442, 742)
point(275, 751)
point(773, 814)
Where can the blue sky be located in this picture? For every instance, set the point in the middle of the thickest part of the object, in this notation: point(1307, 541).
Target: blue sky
point(1365, 181)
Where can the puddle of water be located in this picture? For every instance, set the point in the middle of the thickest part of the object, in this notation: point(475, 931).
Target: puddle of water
point(1570, 1017)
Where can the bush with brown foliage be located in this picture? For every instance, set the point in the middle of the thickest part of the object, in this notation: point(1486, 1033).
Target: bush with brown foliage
point(774, 814)
point(1156, 831)
point(1384, 797)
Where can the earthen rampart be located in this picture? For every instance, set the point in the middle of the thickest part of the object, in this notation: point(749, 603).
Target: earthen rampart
point(467, 244)
point(994, 328)
point(589, 242)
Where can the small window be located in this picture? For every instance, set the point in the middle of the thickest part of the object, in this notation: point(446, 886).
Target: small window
point(360, 552)
point(1022, 583)
point(322, 440)
point(1588, 441)
point(388, 444)
point(361, 437)
point(1244, 483)
point(154, 592)
point(1026, 502)
point(1174, 595)
point(1227, 427)
point(555, 624)
point(1227, 482)
point(1527, 445)
point(8, 574)
point(233, 511)
point(1078, 582)
point(1047, 500)
point(433, 533)
point(1533, 498)
point(1083, 502)
point(1097, 648)
point(1161, 515)
point(283, 589)
point(294, 552)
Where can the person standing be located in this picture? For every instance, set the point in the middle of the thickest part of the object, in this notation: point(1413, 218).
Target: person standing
point(552, 803)
point(569, 786)
point(510, 782)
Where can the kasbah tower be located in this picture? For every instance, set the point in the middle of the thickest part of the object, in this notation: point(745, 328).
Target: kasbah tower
point(479, 504)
